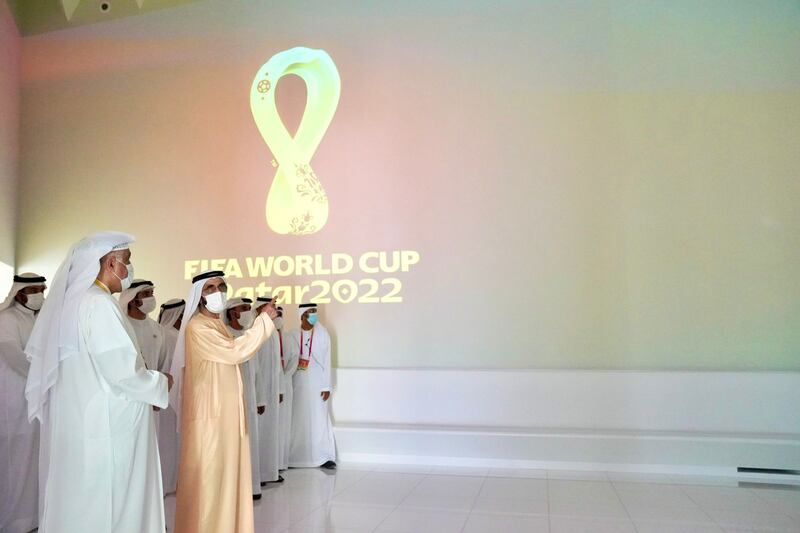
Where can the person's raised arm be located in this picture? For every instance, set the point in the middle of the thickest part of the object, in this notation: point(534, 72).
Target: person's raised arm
point(212, 345)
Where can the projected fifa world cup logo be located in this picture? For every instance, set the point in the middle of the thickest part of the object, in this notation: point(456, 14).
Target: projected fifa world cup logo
point(296, 203)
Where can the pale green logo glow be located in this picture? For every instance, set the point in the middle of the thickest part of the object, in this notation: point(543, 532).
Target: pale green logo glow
point(297, 203)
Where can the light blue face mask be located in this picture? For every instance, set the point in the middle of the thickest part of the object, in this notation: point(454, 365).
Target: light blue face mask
point(312, 319)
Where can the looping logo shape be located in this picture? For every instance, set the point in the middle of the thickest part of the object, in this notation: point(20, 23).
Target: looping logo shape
point(297, 203)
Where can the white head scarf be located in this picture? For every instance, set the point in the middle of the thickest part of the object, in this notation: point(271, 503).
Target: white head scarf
point(179, 357)
point(170, 311)
point(234, 302)
point(55, 334)
point(261, 301)
point(129, 294)
point(21, 281)
point(305, 307)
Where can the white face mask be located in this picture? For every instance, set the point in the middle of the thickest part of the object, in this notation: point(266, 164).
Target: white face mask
point(278, 322)
point(35, 301)
point(246, 319)
point(127, 280)
point(148, 305)
point(215, 302)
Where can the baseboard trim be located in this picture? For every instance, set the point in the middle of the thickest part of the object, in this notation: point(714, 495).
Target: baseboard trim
point(671, 453)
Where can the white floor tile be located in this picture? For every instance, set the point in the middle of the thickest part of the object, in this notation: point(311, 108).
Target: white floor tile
point(336, 517)
point(498, 523)
point(653, 495)
point(379, 488)
point(676, 515)
point(265, 528)
point(517, 488)
point(662, 527)
point(467, 485)
point(303, 480)
point(400, 499)
point(744, 518)
point(561, 524)
point(281, 513)
point(786, 500)
point(445, 492)
point(347, 478)
point(582, 491)
point(410, 520)
point(728, 498)
point(315, 496)
point(446, 502)
point(360, 496)
point(587, 509)
point(510, 506)
point(325, 529)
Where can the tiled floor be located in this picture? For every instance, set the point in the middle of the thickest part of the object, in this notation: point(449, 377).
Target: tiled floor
point(397, 499)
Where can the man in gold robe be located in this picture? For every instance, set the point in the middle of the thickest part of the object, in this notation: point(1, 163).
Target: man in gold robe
point(214, 479)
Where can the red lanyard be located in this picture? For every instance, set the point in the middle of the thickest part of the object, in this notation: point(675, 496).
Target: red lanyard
point(302, 364)
point(310, 344)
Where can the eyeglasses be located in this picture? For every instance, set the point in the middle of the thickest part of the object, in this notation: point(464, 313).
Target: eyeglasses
point(211, 289)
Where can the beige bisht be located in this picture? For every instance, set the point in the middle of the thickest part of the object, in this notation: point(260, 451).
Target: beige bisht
point(215, 493)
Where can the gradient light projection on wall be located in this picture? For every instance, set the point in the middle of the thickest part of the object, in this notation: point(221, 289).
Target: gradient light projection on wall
point(506, 185)
point(297, 203)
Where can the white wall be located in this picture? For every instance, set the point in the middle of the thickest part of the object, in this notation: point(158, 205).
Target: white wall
point(9, 140)
point(652, 421)
point(628, 420)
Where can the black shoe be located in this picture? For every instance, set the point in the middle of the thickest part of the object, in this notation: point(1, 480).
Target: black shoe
point(263, 483)
point(330, 465)
point(256, 497)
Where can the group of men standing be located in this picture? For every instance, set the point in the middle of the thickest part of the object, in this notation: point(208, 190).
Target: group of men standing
point(95, 429)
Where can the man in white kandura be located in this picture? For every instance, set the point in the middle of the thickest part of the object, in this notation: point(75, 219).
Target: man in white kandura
point(170, 319)
point(239, 316)
point(289, 364)
point(270, 375)
point(137, 302)
point(312, 442)
point(166, 420)
point(19, 438)
point(91, 390)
